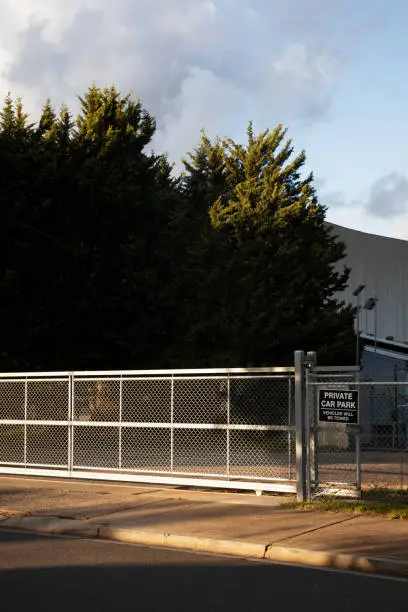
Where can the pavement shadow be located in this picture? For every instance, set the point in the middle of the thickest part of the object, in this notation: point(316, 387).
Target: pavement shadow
point(192, 587)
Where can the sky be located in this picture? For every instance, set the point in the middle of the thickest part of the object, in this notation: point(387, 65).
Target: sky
point(331, 71)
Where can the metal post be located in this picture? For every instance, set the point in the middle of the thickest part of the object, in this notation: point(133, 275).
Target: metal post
point(358, 463)
point(300, 425)
point(358, 447)
point(171, 424)
point(375, 324)
point(228, 426)
point(357, 293)
point(25, 422)
point(71, 418)
point(120, 421)
point(358, 331)
point(289, 432)
point(310, 454)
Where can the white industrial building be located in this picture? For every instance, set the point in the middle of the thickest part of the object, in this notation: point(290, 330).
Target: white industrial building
point(379, 269)
point(381, 265)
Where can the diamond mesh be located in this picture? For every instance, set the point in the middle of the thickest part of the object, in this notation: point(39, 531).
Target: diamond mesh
point(47, 400)
point(96, 447)
point(12, 394)
point(261, 401)
point(146, 401)
point(384, 457)
point(263, 453)
point(200, 401)
point(12, 444)
point(47, 445)
point(200, 450)
point(96, 400)
point(146, 449)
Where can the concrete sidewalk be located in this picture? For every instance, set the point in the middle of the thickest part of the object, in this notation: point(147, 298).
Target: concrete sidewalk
point(229, 523)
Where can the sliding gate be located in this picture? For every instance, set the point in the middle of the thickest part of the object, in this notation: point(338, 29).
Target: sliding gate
point(220, 428)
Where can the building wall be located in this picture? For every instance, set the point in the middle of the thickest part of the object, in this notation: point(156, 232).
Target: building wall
point(381, 264)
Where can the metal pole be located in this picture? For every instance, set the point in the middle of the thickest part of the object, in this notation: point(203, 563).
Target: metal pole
point(25, 422)
point(71, 418)
point(358, 331)
point(289, 432)
point(358, 463)
point(310, 429)
point(300, 425)
point(375, 325)
point(120, 421)
point(69, 423)
point(228, 426)
point(171, 424)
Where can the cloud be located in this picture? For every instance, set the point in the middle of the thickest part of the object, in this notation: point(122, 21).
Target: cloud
point(334, 199)
point(211, 63)
point(388, 196)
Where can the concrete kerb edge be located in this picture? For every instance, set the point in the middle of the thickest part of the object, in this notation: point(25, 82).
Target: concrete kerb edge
point(51, 525)
point(237, 548)
point(337, 561)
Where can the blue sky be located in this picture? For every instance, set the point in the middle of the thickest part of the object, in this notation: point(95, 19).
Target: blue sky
point(332, 71)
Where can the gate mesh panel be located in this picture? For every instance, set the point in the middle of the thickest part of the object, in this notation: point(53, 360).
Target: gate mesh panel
point(269, 454)
point(146, 401)
point(96, 447)
point(200, 451)
point(47, 400)
point(260, 401)
point(200, 401)
point(12, 444)
point(146, 449)
point(96, 400)
point(12, 399)
point(47, 445)
point(384, 457)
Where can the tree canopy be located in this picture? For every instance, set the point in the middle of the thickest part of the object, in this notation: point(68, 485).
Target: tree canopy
point(111, 260)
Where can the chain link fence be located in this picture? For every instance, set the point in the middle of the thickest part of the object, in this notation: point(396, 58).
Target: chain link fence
point(233, 426)
point(384, 444)
point(333, 446)
point(371, 457)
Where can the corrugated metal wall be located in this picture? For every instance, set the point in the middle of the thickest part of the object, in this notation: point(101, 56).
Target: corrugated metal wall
point(381, 264)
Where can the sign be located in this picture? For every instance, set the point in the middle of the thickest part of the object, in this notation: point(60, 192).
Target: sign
point(338, 406)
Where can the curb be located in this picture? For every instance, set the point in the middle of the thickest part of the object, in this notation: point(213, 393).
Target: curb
point(51, 525)
point(337, 561)
point(235, 548)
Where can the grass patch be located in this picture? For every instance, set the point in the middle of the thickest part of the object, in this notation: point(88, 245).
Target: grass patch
point(392, 509)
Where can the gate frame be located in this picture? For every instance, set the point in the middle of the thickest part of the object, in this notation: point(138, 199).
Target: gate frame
point(255, 483)
point(312, 469)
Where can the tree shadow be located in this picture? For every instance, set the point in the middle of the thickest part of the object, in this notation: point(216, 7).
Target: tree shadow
point(96, 576)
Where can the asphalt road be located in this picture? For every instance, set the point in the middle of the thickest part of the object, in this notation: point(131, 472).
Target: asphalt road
point(53, 573)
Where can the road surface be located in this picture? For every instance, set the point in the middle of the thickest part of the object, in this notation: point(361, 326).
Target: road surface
point(48, 573)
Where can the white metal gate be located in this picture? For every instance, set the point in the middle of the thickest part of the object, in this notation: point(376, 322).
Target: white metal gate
point(228, 428)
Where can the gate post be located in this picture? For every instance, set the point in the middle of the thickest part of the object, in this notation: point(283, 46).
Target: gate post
point(71, 418)
point(300, 405)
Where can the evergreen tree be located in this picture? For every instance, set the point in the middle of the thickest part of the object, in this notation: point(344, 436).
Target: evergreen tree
point(7, 116)
point(282, 261)
point(84, 227)
point(112, 261)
